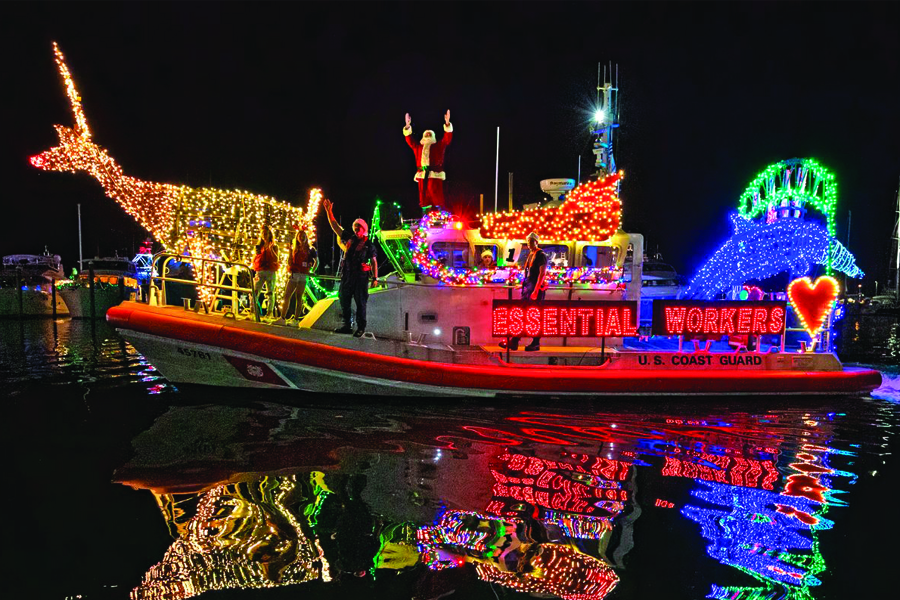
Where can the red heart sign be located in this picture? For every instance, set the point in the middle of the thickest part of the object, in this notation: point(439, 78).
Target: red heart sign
point(813, 301)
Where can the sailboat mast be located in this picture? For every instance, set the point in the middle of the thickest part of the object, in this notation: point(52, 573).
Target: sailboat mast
point(896, 265)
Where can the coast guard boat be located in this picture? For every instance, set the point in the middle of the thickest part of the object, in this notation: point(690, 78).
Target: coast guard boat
point(435, 321)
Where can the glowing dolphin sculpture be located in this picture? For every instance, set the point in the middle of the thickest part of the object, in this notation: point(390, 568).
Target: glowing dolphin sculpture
point(761, 250)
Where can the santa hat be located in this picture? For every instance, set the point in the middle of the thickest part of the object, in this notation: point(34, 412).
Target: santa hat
point(428, 140)
point(487, 253)
point(365, 228)
point(534, 236)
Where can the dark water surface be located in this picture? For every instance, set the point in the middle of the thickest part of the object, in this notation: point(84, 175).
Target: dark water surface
point(122, 485)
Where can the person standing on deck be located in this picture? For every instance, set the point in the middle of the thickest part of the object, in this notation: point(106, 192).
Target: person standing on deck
point(533, 286)
point(303, 260)
point(430, 163)
point(265, 263)
point(359, 264)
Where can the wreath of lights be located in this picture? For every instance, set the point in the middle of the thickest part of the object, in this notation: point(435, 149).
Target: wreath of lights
point(810, 306)
point(510, 274)
point(199, 222)
point(452, 531)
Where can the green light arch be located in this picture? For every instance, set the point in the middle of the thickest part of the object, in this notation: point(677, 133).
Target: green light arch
point(796, 182)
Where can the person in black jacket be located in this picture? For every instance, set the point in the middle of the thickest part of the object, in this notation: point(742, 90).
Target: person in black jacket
point(359, 265)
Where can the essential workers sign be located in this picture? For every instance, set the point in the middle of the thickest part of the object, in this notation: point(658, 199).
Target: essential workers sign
point(712, 318)
point(562, 318)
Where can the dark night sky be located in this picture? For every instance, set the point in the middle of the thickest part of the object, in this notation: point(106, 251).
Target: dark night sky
point(280, 97)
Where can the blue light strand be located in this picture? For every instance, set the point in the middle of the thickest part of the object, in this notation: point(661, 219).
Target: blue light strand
point(757, 251)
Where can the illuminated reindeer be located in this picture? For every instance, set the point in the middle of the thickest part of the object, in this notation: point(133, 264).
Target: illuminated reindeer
point(199, 222)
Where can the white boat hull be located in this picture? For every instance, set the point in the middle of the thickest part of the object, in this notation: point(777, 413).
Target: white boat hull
point(34, 304)
point(78, 301)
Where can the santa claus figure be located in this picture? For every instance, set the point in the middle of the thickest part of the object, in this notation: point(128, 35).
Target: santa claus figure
point(430, 162)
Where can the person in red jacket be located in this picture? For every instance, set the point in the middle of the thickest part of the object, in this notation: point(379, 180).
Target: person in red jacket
point(430, 162)
point(303, 260)
point(265, 263)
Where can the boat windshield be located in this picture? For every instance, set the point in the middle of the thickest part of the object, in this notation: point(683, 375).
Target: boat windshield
point(452, 254)
point(557, 255)
point(599, 257)
point(113, 265)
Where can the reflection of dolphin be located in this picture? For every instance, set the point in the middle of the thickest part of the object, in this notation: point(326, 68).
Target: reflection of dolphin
point(763, 250)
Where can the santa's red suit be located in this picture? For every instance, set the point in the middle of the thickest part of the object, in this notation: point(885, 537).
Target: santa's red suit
point(430, 165)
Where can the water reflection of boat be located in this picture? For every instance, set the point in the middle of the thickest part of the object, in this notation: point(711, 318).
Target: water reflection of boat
point(520, 499)
point(35, 274)
point(115, 280)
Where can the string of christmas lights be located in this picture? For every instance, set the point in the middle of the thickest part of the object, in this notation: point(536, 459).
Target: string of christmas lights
point(201, 222)
point(512, 274)
point(231, 542)
point(592, 212)
point(757, 251)
point(791, 184)
point(752, 535)
point(559, 570)
point(813, 302)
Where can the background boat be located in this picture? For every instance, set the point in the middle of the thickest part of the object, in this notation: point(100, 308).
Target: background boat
point(26, 286)
point(115, 280)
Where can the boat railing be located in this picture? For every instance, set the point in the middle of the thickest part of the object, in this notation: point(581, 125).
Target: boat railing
point(234, 270)
point(223, 268)
point(439, 285)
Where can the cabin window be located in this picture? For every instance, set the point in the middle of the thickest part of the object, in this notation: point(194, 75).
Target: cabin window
point(557, 255)
point(451, 254)
point(599, 257)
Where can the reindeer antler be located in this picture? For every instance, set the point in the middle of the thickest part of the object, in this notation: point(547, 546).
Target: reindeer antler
point(81, 125)
point(312, 209)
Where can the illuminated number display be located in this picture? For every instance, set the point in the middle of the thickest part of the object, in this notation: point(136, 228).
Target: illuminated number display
point(693, 318)
point(561, 318)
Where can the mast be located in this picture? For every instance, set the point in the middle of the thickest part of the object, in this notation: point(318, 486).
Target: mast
point(894, 269)
point(80, 258)
point(605, 121)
